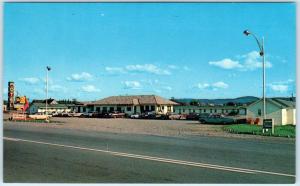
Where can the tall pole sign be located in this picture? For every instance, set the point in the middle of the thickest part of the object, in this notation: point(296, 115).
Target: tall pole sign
point(11, 94)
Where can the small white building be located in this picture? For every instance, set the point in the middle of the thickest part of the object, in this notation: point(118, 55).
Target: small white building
point(39, 106)
point(282, 111)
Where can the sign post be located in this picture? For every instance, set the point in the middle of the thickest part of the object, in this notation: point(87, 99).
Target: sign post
point(268, 124)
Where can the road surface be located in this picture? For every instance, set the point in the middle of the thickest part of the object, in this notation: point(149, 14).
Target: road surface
point(49, 155)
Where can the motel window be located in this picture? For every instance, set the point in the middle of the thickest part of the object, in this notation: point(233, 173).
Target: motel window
point(222, 110)
point(111, 109)
point(98, 109)
point(259, 112)
point(210, 110)
point(215, 110)
point(147, 108)
point(179, 111)
point(152, 108)
point(128, 108)
point(194, 110)
point(84, 109)
point(104, 109)
point(169, 108)
point(119, 109)
point(163, 107)
point(204, 110)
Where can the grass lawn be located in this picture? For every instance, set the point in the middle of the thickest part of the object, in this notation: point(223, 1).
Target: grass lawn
point(282, 131)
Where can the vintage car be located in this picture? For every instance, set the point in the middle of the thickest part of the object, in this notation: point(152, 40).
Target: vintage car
point(192, 116)
point(117, 114)
point(135, 116)
point(173, 116)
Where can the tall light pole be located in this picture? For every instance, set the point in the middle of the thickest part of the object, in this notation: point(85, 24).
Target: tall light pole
point(262, 54)
point(48, 69)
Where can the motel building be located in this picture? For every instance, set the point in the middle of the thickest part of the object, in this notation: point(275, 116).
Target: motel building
point(282, 111)
point(216, 109)
point(133, 104)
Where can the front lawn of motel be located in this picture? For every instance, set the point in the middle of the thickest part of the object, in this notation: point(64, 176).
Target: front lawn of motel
point(279, 131)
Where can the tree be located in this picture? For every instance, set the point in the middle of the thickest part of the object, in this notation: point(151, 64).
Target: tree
point(194, 103)
point(230, 103)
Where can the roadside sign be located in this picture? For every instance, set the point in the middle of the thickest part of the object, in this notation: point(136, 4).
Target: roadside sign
point(268, 124)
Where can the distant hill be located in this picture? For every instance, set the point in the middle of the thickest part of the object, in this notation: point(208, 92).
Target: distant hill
point(239, 100)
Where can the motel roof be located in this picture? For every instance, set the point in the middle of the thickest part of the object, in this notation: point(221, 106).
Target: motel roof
point(134, 100)
point(43, 105)
point(279, 102)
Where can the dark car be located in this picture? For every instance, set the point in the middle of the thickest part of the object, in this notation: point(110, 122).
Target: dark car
point(148, 115)
point(192, 116)
point(217, 119)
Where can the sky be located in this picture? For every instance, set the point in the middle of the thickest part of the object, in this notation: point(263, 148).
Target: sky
point(181, 50)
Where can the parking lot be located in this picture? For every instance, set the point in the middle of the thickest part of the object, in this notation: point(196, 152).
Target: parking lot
point(135, 126)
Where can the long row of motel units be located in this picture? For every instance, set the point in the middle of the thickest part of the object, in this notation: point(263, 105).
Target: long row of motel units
point(282, 111)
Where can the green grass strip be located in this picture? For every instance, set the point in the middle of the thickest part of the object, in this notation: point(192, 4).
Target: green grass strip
point(279, 131)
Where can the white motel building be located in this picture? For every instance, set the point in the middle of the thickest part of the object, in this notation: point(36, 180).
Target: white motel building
point(133, 104)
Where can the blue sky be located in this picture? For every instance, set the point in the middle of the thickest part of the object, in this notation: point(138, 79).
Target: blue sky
point(181, 50)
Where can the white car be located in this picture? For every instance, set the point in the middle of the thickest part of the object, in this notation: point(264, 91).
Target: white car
point(135, 116)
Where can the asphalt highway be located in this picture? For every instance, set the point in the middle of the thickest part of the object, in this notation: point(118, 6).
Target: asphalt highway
point(50, 155)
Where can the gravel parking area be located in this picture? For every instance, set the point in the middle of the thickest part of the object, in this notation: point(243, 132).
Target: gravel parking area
point(137, 126)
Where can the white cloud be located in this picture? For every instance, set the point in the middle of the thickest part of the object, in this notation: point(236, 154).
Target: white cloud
point(226, 64)
point(83, 76)
point(253, 61)
point(132, 85)
point(279, 88)
point(203, 86)
point(220, 84)
point(138, 68)
point(284, 82)
point(186, 68)
point(213, 86)
point(30, 80)
point(56, 88)
point(114, 70)
point(168, 88)
point(250, 61)
point(150, 68)
point(39, 91)
point(89, 88)
point(172, 66)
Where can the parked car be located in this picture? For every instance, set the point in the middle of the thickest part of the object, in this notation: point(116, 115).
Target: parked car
point(192, 116)
point(135, 116)
point(104, 115)
point(174, 116)
point(90, 114)
point(148, 115)
point(75, 114)
point(117, 114)
point(217, 119)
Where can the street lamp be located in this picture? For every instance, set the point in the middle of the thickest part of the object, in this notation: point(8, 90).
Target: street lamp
point(48, 69)
point(262, 54)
